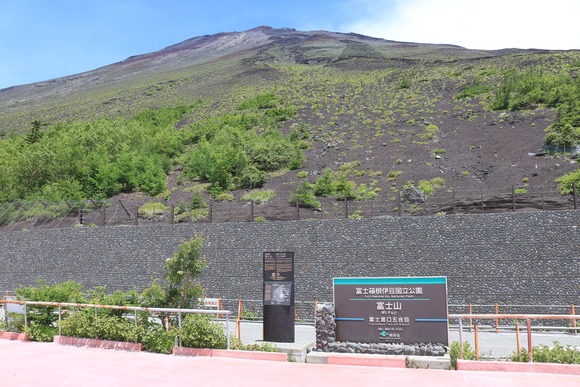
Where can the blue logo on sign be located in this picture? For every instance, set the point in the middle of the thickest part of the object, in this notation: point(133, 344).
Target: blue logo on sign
point(384, 333)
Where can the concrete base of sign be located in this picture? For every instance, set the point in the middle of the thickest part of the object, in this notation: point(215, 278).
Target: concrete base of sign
point(296, 352)
point(393, 361)
point(356, 359)
point(429, 362)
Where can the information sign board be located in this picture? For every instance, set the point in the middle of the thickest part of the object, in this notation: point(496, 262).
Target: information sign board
point(402, 310)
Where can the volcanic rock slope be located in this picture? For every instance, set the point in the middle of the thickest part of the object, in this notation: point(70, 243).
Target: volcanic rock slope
point(363, 101)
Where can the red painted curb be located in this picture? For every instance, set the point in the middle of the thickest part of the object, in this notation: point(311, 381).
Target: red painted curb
point(14, 336)
point(96, 343)
point(508, 366)
point(367, 361)
point(235, 354)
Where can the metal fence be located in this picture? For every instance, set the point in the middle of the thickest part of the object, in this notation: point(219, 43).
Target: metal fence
point(133, 309)
point(19, 216)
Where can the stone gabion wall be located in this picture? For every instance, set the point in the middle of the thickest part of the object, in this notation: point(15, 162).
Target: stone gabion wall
point(521, 258)
point(326, 340)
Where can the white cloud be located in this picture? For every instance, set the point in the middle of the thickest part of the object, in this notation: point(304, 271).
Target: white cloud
point(488, 24)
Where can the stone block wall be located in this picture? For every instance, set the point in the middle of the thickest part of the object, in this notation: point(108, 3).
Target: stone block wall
point(524, 258)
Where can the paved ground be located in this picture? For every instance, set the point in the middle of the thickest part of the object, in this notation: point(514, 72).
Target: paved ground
point(46, 364)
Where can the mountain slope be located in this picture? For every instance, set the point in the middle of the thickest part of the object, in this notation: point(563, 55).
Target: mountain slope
point(384, 113)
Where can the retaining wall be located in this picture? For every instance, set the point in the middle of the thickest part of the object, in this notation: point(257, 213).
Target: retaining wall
point(520, 258)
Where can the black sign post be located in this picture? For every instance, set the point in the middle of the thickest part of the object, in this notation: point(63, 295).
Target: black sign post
point(403, 310)
point(278, 297)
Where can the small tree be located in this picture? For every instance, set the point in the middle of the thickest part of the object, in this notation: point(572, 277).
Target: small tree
point(182, 269)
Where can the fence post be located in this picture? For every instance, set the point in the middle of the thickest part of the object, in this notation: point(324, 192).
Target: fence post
point(251, 210)
point(513, 198)
point(315, 306)
point(453, 194)
point(496, 319)
point(210, 211)
point(574, 194)
point(136, 218)
point(470, 319)
point(518, 345)
point(530, 348)
point(297, 209)
point(172, 214)
point(104, 216)
point(345, 207)
point(573, 312)
point(460, 338)
point(476, 342)
point(399, 203)
point(238, 333)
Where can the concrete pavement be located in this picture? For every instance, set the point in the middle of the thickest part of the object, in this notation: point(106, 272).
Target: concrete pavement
point(47, 364)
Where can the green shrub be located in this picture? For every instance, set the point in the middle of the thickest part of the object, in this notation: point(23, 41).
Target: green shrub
point(454, 352)
point(148, 210)
point(156, 339)
point(473, 91)
point(544, 354)
point(362, 192)
point(429, 186)
point(392, 175)
point(68, 291)
point(85, 324)
point(566, 182)
point(262, 101)
point(325, 185)
point(405, 84)
point(79, 324)
point(202, 331)
point(259, 196)
point(430, 133)
point(305, 196)
point(302, 174)
point(14, 323)
point(197, 201)
point(250, 177)
point(262, 347)
point(358, 214)
point(38, 332)
point(223, 197)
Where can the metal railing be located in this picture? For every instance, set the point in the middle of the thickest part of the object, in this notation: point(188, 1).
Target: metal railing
point(527, 317)
point(135, 309)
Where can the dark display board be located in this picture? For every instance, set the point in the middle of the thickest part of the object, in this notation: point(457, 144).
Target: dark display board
point(402, 310)
point(278, 266)
point(278, 297)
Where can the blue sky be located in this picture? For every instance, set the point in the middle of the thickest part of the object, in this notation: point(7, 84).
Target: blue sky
point(45, 39)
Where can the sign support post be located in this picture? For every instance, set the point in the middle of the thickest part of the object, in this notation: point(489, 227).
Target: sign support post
point(278, 297)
